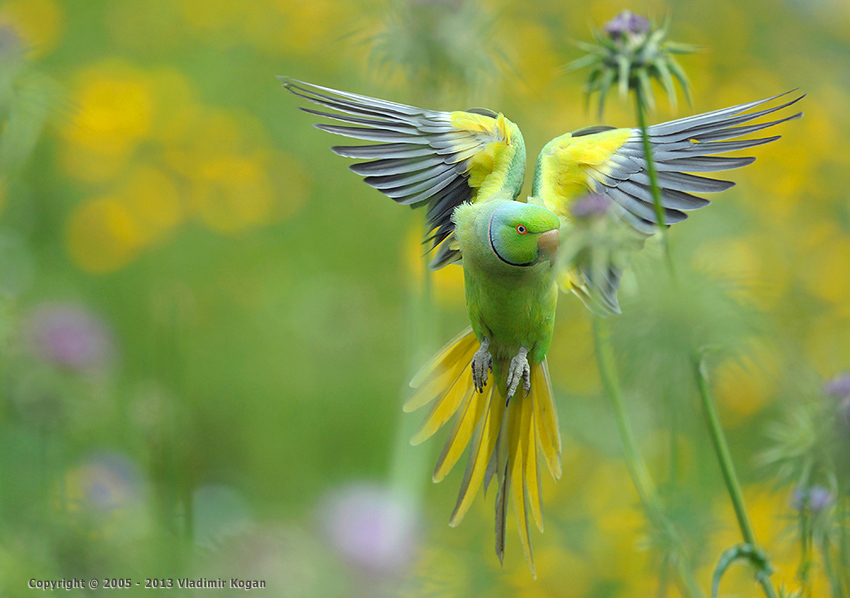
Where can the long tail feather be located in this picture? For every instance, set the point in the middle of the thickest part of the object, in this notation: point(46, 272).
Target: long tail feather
point(446, 407)
point(515, 471)
point(546, 419)
point(459, 437)
point(505, 439)
point(480, 453)
point(529, 442)
point(433, 378)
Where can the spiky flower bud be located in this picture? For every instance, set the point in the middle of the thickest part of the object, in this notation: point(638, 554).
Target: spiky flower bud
point(817, 499)
point(839, 386)
point(625, 24)
point(630, 52)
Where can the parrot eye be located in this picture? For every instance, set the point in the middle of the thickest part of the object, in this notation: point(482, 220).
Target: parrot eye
point(521, 229)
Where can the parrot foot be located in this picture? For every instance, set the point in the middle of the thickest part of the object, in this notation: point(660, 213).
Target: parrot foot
point(520, 370)
point(482, 362)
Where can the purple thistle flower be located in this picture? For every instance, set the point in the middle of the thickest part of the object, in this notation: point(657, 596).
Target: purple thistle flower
point(839, 386)
point(370, 527)
point(590, 206)
point(626, 24)
point(69, 336)
point(816, 498)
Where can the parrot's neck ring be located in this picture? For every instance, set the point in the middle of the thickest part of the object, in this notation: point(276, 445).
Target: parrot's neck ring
point(493, 246)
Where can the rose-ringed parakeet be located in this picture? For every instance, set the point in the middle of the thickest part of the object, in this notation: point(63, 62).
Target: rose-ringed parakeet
point(467, 168)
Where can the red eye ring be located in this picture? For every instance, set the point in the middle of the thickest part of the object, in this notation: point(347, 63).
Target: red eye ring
point(521, 229)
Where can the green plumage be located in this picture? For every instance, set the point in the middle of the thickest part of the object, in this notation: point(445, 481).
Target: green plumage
point(512, 306)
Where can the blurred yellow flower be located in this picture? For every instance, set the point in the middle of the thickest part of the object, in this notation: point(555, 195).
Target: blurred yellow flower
point(277, 26)
point(744, 386)
point(557, 569)
point(827, 343)
point(152, 25)
point(231, 175)
point(40, 22)
point(102, 235)
point(827, 275)
point(535, 58)
point(175, 109)
point(308, 26)
point(231, 193)
point(114, 110)
point(151, 197)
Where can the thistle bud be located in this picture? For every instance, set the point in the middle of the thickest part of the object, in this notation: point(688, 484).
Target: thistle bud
point(630, 52)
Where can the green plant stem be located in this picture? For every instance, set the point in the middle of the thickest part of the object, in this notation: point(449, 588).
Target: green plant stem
point(805, 553)
point(407, 475)
point(834, 581)
point(640, 109)
point(805, 536)
point(730, 477)
point(844, 543)
point(637, 469)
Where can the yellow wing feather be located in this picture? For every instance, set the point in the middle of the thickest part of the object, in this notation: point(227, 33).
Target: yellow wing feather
point(570, 164)
point(488, 167)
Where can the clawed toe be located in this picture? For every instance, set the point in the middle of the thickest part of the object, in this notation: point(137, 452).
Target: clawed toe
point(520, 370)
point(482, 363)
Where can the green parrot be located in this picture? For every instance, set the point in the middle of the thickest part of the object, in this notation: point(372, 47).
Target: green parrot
point(467, 169)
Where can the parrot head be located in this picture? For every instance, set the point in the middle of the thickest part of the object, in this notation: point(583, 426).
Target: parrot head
point(522, 234)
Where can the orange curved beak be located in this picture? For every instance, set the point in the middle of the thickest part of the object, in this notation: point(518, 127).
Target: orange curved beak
point(548, 242)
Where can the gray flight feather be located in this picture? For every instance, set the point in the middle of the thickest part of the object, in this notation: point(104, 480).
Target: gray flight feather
point(421, 159)
point(679, 147)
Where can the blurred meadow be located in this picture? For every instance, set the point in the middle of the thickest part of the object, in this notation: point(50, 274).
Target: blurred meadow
point(207, 323)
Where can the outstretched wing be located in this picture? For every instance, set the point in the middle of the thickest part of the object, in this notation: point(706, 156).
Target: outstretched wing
point(611, 162)
point(424, 157)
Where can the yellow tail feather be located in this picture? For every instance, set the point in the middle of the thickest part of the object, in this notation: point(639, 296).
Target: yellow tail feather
point(446, 357)
point(503, 439)
point(514, 469)
point(446, 407)
point(459, 437)
point(529, 442)
point(482, 448)
point(548, 433)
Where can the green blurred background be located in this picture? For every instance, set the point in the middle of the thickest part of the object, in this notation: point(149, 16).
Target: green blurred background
point(208, 323)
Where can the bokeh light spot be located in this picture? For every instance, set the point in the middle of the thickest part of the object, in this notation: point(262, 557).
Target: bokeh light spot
point(102, 235)
point(40, 22)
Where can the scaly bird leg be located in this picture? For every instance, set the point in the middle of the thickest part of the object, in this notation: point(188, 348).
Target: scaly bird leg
point(482, 362)
point(520, 370)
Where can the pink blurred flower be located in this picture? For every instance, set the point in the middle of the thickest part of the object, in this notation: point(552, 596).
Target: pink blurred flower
point(69, 336)
point(370, 527)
